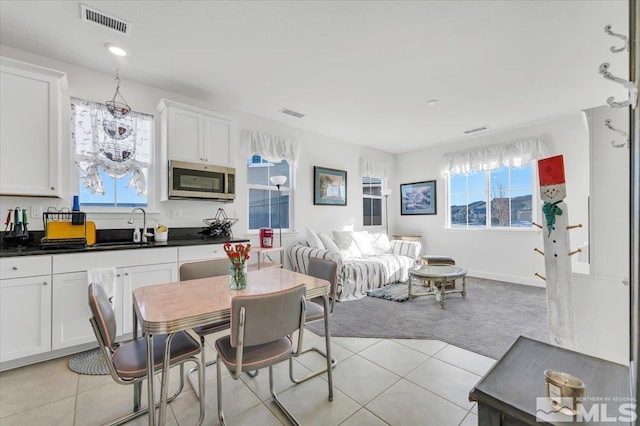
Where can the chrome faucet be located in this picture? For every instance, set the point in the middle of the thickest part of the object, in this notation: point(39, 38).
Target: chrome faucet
point(144, 234)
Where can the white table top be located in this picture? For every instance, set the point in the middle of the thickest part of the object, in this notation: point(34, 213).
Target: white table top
point(438, 271)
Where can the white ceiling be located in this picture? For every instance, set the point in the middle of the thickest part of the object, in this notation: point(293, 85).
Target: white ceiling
point(361, 71)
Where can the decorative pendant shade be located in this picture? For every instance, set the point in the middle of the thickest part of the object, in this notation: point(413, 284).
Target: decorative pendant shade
point(118, 107)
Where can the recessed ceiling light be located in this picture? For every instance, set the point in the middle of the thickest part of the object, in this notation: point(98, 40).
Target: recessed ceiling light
point(116, 50)
point(432, 102)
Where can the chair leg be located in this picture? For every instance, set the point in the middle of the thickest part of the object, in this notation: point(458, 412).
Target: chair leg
point(313, 374)
point(277, 401)
point(219, 390)
point(196, 369)
point(141, 412)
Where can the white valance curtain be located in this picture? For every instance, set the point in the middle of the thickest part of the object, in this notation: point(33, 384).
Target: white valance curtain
point(512, 154)
point(373, 168)
point(271, 148)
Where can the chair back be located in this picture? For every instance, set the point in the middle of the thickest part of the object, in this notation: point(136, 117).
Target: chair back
point(267, 317)
point(204, 269)
point(103, 314)
point(325, 270)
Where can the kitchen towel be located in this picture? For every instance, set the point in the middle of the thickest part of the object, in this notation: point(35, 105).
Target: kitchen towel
point(106, 277)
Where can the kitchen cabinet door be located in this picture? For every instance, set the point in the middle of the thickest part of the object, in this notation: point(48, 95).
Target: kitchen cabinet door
point(185, 129)
point(140, 276)
point(218, 141)
point(70, 316)
point(195, 135)
point(25, 317)
point(30, 132)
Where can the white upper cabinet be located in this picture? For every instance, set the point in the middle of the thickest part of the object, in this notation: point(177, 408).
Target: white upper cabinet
point(195, 135)
point(30, 111)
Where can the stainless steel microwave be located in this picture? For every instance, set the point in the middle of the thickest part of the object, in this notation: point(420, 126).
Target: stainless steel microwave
point(201, 181)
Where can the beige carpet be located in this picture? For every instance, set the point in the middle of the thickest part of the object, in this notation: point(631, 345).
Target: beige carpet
point(488, 321)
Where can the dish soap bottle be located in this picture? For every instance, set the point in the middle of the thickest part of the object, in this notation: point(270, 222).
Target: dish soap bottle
point(136, 235)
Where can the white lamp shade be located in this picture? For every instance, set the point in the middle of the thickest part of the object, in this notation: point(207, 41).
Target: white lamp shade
point(385, 192)
point(278, 180)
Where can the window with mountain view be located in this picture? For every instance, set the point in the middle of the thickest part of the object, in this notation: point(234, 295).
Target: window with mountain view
point(499, 198)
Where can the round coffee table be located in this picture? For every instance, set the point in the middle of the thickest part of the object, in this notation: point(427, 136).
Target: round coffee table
point(439, 276)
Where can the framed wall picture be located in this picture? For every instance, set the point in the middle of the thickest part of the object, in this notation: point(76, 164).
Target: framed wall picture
point(329, 187)
point(418, 198)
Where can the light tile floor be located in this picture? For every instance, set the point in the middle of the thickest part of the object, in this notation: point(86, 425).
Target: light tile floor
point(376, 382)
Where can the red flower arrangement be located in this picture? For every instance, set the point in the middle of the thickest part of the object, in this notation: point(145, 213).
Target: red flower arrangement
point(237, 254)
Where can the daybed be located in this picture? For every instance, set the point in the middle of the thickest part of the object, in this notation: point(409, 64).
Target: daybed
point(365, 261)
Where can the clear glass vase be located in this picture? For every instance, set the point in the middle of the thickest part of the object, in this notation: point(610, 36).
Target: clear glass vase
point(238, 276)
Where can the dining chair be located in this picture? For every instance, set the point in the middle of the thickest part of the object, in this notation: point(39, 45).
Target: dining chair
point(326, 270)
point(194, 271)
point(127, 361)
point(261, 336)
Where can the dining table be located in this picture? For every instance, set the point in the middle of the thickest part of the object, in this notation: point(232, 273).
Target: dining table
point(182, 305)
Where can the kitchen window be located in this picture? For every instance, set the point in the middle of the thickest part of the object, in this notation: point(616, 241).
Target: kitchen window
point(263, 195)
point(371, 201)
point(112, 157)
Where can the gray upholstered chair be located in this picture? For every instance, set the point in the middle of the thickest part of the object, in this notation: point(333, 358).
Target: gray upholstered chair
point(261, 329)
point(194, 271)
point(127, 361)
point(326, 270)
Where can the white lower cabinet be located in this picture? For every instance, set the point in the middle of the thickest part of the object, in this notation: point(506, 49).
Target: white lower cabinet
point(25, 310)
point(134, 269)
point(140, 276)
point(70, 316)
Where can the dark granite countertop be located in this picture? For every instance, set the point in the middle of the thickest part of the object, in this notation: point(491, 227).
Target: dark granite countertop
point(116, 239)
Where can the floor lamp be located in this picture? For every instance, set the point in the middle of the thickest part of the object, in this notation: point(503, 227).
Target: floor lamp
point(386, 193)
point(278, 181)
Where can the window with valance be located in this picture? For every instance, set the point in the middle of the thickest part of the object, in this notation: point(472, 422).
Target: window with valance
point(492, 187)
point(267, 156)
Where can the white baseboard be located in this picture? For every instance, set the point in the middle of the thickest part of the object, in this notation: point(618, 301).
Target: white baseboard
point(516, 279)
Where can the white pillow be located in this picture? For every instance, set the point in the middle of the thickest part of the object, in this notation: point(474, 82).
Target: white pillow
point(346, 244)
point(363, 240)
point(380, 243)
point(312, 239)
point(329, 244)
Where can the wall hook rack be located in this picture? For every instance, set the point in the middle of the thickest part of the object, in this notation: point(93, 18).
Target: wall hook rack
point(607, 29)
point(613, 143)
point(630, 86)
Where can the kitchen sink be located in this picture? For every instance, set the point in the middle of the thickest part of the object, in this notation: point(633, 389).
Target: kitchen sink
point(120, 244)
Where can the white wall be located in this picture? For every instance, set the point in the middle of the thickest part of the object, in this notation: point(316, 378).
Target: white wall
point(609, 181)
point(505, 255)
point(315, 150)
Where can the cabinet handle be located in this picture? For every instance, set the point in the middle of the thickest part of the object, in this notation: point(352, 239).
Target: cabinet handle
point(53, 188)
point(45, 283)
point(15, 268)
point(118, 275)
point(126, 274)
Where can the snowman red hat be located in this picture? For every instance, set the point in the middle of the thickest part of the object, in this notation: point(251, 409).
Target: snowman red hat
point(552, 181)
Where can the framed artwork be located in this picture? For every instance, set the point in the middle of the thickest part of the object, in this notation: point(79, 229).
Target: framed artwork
point(418, 198)
point(329, 187)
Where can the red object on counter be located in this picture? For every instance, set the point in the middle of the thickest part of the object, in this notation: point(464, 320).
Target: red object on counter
point(266, 237)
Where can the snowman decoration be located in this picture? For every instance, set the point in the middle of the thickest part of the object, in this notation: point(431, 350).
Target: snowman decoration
point(556, 252)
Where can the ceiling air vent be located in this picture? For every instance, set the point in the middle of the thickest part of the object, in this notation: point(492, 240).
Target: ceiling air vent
point(101, 18)
point(476, 130)
point(292, 113)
